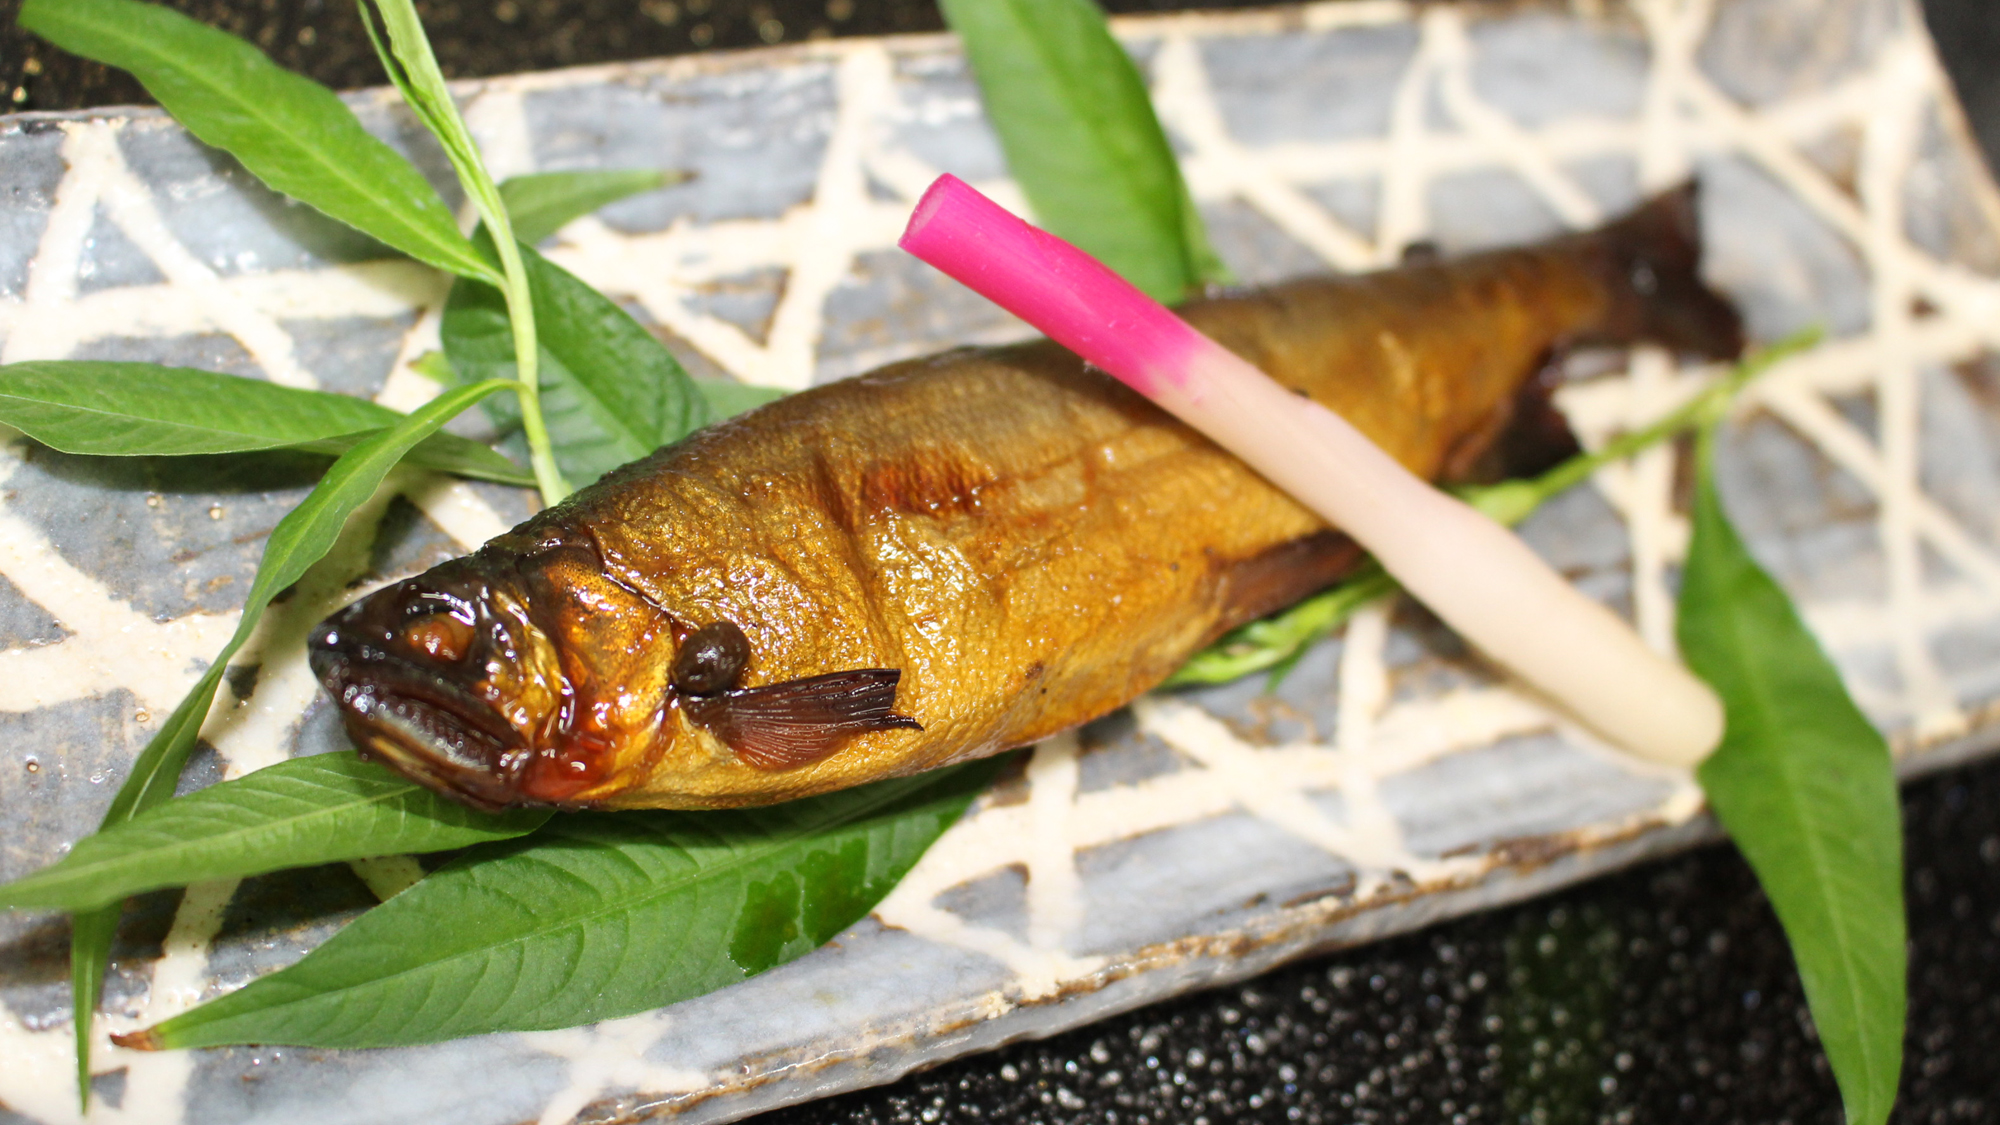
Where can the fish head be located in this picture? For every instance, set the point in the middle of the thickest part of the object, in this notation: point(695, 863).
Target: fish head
point(504, 678)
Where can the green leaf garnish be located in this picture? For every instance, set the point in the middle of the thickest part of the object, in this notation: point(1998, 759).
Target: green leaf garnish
point(611, 392)
point(1083, 142)
point(289, 131)
point(1804, 784)
point(146, 410)
point(542, 203)
point(90, 937)
point(594, 917)
point(306, 811)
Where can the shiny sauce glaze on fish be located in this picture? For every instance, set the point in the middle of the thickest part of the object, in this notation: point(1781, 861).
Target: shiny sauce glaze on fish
point(956, 555)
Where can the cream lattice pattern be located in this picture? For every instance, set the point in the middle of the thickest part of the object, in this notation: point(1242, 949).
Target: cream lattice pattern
point(1439, 125)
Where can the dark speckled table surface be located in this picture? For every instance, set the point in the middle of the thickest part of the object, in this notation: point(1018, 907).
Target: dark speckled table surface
point(1664, 993)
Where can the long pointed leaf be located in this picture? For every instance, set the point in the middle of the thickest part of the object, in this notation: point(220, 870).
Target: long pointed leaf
point(90, 937)
point(603, 916)
point(1803, 783)
point(1082, 140)
point(319, 809)
point(290, 132)
point(146, 410)
point(611, 392)
point(441, 452)
point(543, 203)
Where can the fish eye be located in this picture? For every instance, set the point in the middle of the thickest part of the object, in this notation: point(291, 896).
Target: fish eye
point(440, 636)
point(712, 659)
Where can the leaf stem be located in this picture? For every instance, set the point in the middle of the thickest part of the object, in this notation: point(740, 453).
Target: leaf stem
point(527, 353)
point(1512, 501)
point(414, 69)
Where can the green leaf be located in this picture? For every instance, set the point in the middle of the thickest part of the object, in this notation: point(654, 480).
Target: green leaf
point(544, 202)
point(145, 410)
point(1082, 140)
point(727, 398)
point(1803, 782)
point(440, 452)
point(594, 917)
point(611, 392)
point(90, 937)
point(290, 132)
point(306, 811)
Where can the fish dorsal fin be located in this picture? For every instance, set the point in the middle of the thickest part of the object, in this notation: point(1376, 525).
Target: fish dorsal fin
point(798, 722)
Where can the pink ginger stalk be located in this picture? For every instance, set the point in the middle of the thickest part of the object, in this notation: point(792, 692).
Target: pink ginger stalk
point(1472, 572)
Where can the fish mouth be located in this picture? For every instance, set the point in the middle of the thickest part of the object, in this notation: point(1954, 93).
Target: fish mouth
point(417, 723)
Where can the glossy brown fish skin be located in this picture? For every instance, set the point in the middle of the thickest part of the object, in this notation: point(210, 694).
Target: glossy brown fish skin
point(1028, 542)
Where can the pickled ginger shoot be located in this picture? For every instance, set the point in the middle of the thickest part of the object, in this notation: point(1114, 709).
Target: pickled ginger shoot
point(1473, 573)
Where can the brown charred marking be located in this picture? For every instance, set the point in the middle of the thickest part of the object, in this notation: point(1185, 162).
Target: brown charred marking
point(1467, 461)
point(929, 484)
point(824, 484)
point(1650, 263)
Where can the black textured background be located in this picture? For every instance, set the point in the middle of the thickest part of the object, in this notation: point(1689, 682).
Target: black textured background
point(1662, 994)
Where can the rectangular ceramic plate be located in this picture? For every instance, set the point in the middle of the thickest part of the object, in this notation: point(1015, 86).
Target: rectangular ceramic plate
point(1197, 837)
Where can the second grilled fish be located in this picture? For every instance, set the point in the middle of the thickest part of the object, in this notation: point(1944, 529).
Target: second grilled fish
point(952, 556)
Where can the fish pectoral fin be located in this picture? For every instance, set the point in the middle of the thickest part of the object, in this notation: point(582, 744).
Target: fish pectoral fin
point(796, 723)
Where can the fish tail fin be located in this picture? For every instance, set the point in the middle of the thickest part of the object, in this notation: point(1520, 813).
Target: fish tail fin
point(1653, 257)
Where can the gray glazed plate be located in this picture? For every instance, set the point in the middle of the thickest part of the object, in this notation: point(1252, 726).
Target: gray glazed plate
point(1198, 837)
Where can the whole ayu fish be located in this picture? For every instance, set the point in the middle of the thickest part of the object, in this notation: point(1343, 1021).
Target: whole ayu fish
point(952, 556)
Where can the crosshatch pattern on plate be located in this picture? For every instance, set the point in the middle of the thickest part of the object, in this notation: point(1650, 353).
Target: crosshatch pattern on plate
point(1198, 835)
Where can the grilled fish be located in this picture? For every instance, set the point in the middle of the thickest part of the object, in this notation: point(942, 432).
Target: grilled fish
point(952, 556)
